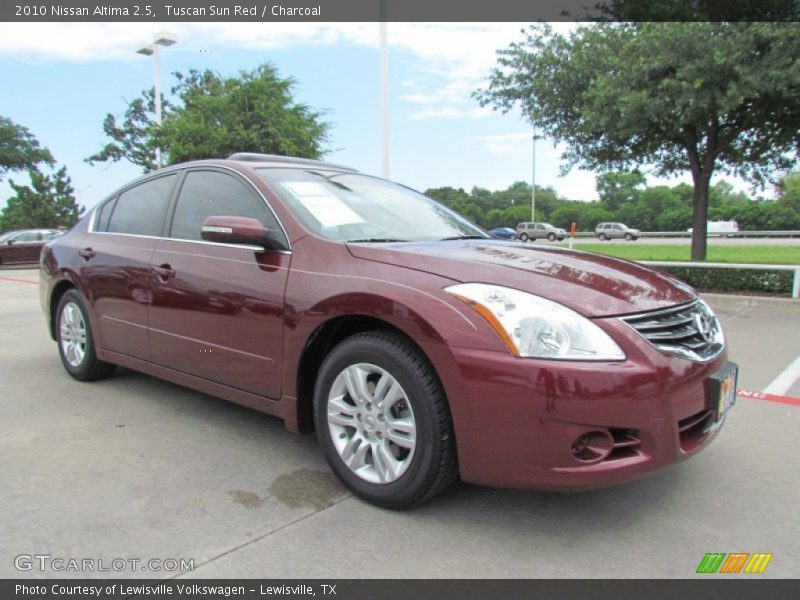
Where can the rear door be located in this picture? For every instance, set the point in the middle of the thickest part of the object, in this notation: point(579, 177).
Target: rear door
point(116, 263)
point(217, 309)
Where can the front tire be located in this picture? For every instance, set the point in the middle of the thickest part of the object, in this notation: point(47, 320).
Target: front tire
point(551, 237)
point(628, 237)
point(383, 421)
point(75, 340)
point(601, 237)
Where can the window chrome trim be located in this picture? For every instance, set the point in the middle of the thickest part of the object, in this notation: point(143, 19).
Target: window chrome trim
point(207, 243)
point(95, 212)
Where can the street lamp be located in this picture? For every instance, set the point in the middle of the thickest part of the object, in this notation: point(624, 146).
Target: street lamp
point(533, 178)
point(384, 84)
point(151, 49)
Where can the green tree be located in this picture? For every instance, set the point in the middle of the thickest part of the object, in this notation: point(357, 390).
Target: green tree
point(701, 97)
point(789, 191)
point(19, 149)
point(695, 10)
point(616, 188)
point(213, 116)
point(448, 196)
point(49, 201)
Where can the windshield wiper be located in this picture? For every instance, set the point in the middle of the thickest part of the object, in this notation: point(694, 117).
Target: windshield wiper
point(464, 237)
point(373, 240)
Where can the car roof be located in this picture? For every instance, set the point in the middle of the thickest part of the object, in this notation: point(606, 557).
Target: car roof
point(273, 160)
point(247, 159)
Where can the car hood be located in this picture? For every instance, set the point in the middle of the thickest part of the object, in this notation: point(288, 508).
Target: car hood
point(591, 284)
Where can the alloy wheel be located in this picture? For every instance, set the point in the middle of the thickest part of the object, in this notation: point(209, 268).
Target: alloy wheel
point(371, 423)
point(73, 334)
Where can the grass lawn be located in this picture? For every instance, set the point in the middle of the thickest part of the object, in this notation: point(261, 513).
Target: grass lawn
point(774, 255)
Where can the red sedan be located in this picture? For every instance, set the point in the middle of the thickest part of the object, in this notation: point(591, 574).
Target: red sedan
point(24, 245)
point(418, 348)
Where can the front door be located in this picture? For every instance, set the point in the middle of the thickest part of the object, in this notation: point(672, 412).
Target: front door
point(217, 309)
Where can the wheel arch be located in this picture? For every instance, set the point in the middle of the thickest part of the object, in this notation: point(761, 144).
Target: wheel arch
point(319, 344)
point(58, 291)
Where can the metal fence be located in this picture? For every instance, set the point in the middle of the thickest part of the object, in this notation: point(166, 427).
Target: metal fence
point(686, 234)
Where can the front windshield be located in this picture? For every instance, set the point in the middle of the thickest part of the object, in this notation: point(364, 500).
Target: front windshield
point(348, 207)
point(7, 235)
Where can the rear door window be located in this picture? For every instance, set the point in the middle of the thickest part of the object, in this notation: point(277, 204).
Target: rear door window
point(140, 209)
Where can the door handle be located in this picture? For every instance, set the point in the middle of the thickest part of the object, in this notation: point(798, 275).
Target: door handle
point(87, 253)
point(164, 272)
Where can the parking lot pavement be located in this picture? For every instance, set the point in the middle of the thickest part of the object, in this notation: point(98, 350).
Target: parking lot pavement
point(133, 467)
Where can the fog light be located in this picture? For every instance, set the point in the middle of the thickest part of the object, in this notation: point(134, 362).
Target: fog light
point(593, 446)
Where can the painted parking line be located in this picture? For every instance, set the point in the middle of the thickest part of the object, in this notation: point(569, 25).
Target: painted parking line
point(783, 382)
point(768, 397)
point(18, 280)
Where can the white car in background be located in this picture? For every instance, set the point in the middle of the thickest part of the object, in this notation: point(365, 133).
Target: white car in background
point(719, 228)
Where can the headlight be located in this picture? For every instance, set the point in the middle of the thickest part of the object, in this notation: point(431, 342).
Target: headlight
point(531, 326)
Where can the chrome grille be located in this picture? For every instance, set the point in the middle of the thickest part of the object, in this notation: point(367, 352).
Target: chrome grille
point(690, 330)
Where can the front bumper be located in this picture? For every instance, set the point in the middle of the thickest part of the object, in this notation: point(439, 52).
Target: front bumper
point(517, 421)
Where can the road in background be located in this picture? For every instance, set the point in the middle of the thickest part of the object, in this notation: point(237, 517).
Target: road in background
point(136, 467)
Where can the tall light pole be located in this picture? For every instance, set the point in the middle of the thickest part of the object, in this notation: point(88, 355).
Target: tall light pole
point(533, 178)
point(151, 49)
point(384, 51)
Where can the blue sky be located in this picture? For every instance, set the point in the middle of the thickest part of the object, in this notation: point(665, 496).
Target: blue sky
point(60, 79)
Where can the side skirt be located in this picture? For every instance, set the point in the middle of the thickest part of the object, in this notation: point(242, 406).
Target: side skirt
point(286, 408)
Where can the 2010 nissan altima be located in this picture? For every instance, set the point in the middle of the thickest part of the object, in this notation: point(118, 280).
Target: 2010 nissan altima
point(419, 348)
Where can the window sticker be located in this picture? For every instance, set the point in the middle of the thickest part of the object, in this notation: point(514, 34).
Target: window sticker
point(329, 210)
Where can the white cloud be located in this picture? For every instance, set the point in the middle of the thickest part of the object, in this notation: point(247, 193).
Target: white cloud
point(457, 57)
point(91, 42)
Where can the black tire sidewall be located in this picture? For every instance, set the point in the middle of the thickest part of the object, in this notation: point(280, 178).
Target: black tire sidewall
point(602, 237)
point(523, 237)
point(414, 482)
point(83, 370)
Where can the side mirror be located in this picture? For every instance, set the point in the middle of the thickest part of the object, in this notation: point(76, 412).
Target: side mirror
point(10, 242)
point(240, 230)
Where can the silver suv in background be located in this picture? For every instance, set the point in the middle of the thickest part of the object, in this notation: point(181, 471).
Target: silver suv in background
point(539, 231)
point(616, 231)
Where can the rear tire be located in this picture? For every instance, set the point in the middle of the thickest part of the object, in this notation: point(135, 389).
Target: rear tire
point(523, 237)
point(76, 342)
point(383, 421)
point(601, 237)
